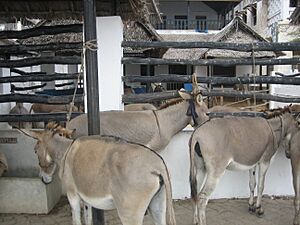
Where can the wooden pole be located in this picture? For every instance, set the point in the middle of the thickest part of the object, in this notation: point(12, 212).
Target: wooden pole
point(92, 83)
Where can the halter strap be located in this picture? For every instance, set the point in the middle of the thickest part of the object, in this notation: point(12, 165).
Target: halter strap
point(63, 160)
point(156, 120)
point(192, 111)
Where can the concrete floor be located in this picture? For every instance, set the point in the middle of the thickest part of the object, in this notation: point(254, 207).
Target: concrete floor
point(278, 211)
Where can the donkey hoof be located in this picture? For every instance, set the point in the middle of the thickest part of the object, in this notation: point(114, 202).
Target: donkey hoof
point(260, 212)
point(252, 209)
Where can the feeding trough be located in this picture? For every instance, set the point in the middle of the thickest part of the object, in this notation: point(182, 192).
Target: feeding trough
point(21, 189)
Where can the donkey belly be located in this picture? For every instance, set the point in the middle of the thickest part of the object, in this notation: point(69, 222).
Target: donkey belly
point(238, 166)
point(105, 203)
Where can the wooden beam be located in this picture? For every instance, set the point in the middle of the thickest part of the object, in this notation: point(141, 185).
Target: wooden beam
point(169, 78)
point(203, 62)
point(240, 114)
point(22, 73)
point(159, 96)
point(14, 88)
point(244, 47)
point(37, 117)
point(91, 68)
point(42, 30)
point(40, 60)
point(66, 99)
point(34, 77)
point(21, 49)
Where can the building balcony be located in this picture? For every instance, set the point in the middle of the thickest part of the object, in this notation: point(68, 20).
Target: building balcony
point(198, 25)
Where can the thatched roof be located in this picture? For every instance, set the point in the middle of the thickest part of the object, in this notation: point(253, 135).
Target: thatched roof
point(133, 31)
point(73, 9)
point(236, 31)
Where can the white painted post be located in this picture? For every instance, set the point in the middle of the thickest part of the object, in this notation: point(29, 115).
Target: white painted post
point(110, 71)
point(5, 89)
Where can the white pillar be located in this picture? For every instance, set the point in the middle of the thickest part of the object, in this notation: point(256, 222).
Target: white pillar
point(5, 89)
point(110, 69)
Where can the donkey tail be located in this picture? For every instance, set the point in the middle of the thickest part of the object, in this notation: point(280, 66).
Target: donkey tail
point(170, 214)
point(193, 179)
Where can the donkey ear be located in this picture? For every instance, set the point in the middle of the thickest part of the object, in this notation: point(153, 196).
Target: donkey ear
point(185, 95)
point(33, 134)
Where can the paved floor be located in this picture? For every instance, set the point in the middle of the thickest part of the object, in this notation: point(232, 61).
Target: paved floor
point(278, 211)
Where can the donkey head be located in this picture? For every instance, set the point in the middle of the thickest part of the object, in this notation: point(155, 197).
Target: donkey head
point(197, 108)
point(46, 140)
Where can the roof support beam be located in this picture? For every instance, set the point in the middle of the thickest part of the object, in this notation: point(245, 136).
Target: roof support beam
point(91, 64)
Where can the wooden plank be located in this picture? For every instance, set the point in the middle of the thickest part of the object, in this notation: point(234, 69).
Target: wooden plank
point(206, 62)
point(40, 60)
point(34, 77)
point(245, 47)
point(169, 78)
point(66, 99)
point(42, 30)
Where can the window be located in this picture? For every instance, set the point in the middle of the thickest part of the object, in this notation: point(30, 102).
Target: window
point(296, 54)
point(254, 14)
point(181, 22)
point(163, 25)
point(201, 24)
point(224, 71)
point(293, 3)
point(245, 16)
point(176, 69)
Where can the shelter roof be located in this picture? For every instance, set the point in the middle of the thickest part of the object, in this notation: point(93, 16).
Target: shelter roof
point(236, 31)
point(73, 9)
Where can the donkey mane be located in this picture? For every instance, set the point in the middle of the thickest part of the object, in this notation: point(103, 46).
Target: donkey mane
point(170, 103)
point(277, 112)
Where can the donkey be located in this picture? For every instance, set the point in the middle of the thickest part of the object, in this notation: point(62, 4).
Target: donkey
point(153, 129)
point(46, 108)
point(3, 164)
point(19, 109)
point(234, 143)
point(294, 154)
point(139, 107)
point(106, 173)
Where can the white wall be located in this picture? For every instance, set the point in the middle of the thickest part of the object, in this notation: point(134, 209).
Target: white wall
point(201, 71)
point(242, 70)
point(233, 183)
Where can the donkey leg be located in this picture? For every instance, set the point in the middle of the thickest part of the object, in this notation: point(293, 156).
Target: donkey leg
point(87, 211)
point(74, 201)
point(263, 167)
point(200, 177)
point(157, 207)
point(207, 189)
point(252, 185)
point(296, 184)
